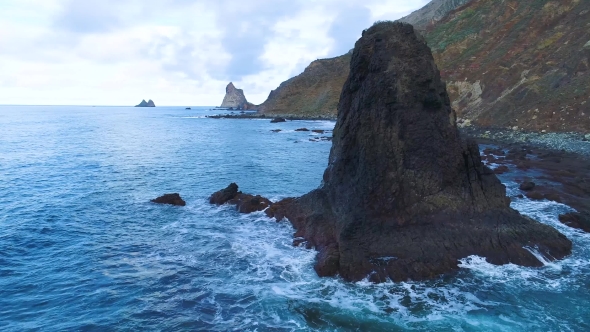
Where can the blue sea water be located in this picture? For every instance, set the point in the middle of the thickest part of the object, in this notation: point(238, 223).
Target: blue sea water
point(82, 248)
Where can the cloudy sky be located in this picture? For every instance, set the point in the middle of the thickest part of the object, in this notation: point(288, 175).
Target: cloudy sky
point(176, 52)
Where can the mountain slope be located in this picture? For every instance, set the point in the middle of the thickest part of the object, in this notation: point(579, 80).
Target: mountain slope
point(517, 63)
point(313, 93)
point(433, 12)
point(507, 63)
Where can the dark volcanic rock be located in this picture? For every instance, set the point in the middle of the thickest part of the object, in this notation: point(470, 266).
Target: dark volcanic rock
point(225, 195)
point(534, 195)
point(403, 195)
point(527, 186)
point(172, 199)
point(275, 120)
point(245, 203)
point(302, 129)
point(576, 220)
point(501, 169)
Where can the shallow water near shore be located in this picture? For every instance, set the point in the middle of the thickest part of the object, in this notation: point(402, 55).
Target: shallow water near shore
point(82, 248)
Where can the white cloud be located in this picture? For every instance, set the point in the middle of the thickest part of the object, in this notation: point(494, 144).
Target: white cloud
point(179, 52)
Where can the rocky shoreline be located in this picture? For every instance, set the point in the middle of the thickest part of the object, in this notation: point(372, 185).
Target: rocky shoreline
point(270, 117)
point(573, 142)
point(554, 167)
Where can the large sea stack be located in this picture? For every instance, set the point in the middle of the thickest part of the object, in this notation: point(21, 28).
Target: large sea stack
point(235, 98)
point(404, 197)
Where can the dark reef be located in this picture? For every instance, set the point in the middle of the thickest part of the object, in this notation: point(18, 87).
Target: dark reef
point(245, 203)
point(172, 199)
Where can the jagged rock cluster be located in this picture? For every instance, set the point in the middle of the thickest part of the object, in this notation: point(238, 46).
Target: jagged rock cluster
point(245, 203)
point(403, 196)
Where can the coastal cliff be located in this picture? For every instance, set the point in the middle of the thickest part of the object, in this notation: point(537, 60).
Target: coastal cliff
point(517, 64)
point(507, 64)
point(313, 93)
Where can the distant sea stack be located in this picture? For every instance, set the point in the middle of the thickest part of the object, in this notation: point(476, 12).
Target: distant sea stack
point(403, 196)
point(235, 98)
point(149, 103)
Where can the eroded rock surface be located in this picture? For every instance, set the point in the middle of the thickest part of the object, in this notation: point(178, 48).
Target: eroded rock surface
point(172, 199)
point(245, 203)
point(235, 98)
point(576, 220)
point(404, 197)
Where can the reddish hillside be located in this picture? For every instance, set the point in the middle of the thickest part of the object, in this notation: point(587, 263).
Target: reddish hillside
point(518, 64)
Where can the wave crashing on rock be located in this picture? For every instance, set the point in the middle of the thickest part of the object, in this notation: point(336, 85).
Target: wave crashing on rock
point(403, 196)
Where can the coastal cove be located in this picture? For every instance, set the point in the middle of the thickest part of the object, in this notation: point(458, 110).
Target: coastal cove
point(79, 237)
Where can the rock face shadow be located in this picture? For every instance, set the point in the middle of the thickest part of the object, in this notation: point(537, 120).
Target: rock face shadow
point(403, 196)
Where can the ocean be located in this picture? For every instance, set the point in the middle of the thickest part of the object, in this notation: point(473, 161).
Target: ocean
point(83, 249)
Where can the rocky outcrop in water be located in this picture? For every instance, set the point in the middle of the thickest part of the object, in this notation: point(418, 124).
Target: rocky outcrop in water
point(404, 197)
point(576, 220)
point(172, 199)
point(245, 203)
point(144, 103)
point(235, 98)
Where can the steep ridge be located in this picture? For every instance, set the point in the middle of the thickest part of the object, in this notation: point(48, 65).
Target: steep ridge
point(517, 63)
point(313, 93)
point(433, 12)
point(507, 63)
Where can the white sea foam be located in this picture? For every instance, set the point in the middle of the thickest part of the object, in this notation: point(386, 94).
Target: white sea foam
point(262, 260)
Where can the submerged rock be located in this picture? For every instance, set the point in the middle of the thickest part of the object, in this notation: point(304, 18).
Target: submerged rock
point(401, 184)
point(527, 186)
point(172, 199)
point(576, 220)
